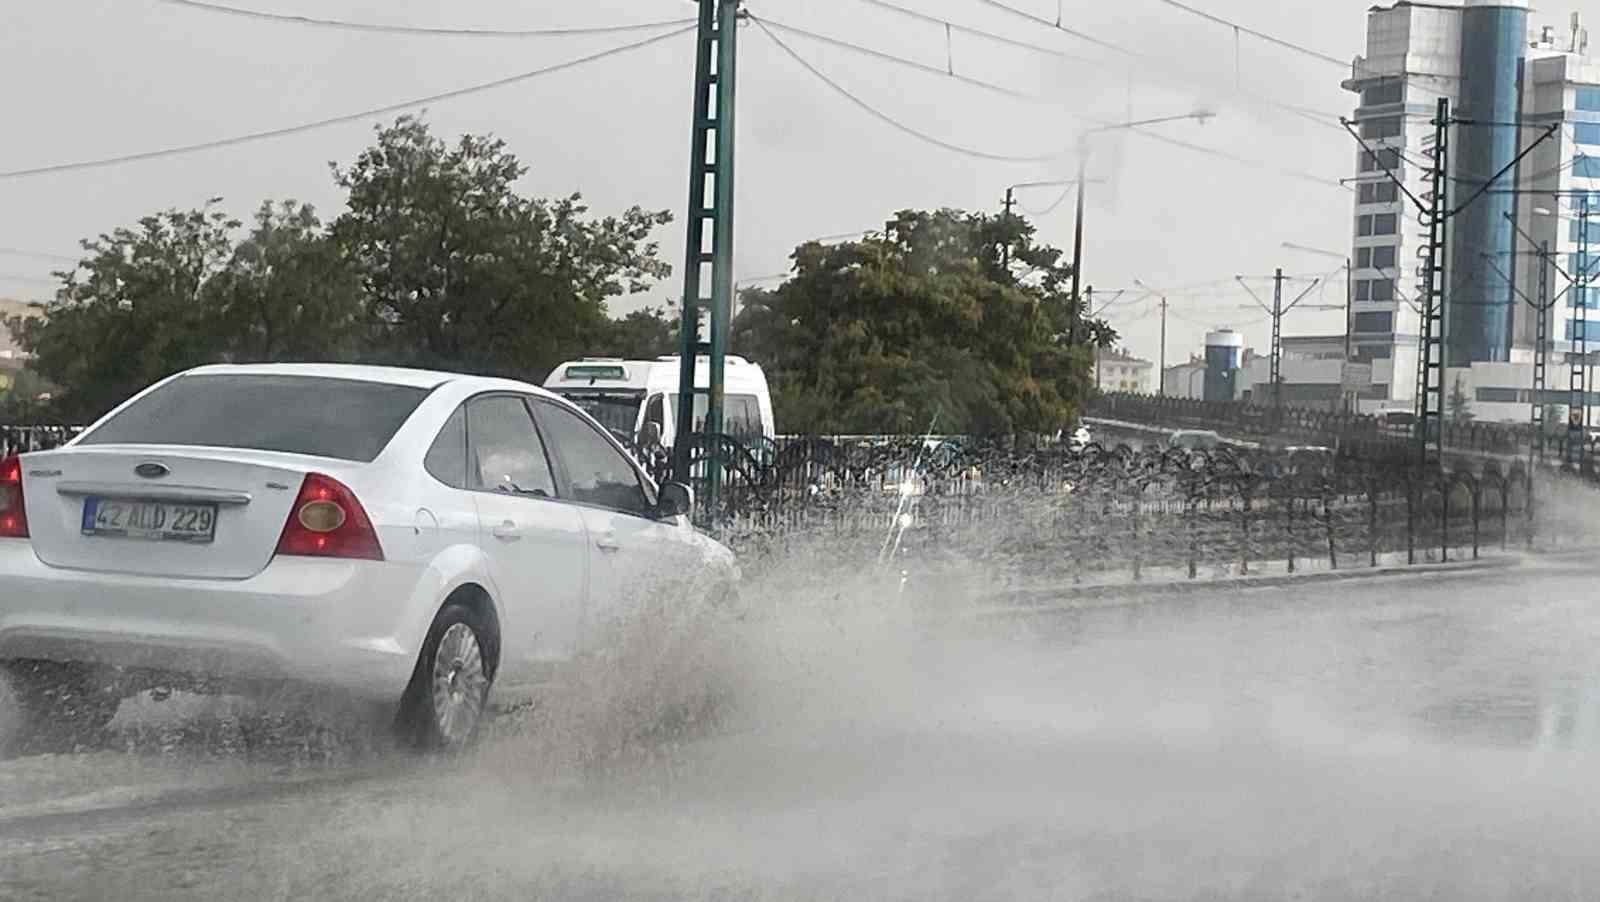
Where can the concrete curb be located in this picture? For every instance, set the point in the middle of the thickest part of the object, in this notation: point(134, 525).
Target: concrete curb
point(1068, 597)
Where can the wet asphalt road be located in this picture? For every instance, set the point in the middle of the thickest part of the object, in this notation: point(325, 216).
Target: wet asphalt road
point(1416, 738)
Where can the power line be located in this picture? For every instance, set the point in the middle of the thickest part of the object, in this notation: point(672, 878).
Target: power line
point(890, 121)
point(1067, 192)
point(1040, 20)
point(900, 60)
point(979, 32)
point(340, 120)
point(37, 255)
point(420, 30)
point(1261, 35)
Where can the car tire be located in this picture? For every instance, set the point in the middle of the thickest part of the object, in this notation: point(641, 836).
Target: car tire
point(447, 701)
point(57, 707)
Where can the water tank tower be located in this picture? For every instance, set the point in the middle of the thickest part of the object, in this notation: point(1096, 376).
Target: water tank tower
point(1224, 350)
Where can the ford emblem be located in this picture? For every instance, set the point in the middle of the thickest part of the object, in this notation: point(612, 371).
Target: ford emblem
point(152, 471)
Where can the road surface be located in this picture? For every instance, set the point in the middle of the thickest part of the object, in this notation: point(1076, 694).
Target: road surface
point(1434, 737)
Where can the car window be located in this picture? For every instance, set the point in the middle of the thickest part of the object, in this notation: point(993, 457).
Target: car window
point(346, 419)
point(655, 412)
point(598, 472)
point(504, 452)
point(447, 459)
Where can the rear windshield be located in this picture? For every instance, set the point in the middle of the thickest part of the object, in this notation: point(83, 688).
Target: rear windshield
point(339, 418)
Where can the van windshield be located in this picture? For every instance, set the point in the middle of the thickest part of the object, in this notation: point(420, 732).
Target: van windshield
point(615, 410)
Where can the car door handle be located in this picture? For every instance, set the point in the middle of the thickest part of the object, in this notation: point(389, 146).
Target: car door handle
point(607, 542)
point(507, 532)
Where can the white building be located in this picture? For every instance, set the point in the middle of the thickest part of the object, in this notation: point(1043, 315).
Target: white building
point(1186, 380)
point(1118, 371)
point(1483, 56)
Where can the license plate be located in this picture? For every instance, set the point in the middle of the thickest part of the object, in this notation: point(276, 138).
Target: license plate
point(156, 521)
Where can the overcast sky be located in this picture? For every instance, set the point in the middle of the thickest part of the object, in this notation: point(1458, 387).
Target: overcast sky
point(88, 79)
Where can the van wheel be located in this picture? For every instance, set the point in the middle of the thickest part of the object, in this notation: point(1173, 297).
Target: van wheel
point(447, 700)
point(58, 707)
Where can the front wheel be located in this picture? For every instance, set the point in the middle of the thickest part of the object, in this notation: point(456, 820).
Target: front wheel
point(445, 703)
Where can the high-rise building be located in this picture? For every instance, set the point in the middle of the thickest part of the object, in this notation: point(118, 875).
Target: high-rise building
point(1496, 72)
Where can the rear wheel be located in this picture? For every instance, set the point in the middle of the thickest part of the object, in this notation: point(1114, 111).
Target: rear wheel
point(58, 707)
point(445, 704)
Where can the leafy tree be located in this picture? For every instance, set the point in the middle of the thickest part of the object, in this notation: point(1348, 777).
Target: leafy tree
point(286, 293)
point(641, 335)
point(134, 311)
point(460, 270)
point(948, 320)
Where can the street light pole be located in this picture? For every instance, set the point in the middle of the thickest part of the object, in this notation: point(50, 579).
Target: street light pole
point(1077, 244)
point(1081, 180)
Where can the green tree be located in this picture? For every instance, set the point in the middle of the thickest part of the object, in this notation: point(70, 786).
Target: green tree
point(948, 320)
point(641, 335)
point(286, 293)
point(134, 311)
point(459, 270)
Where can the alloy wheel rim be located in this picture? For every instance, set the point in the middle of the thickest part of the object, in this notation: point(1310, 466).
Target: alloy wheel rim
point(459, 684)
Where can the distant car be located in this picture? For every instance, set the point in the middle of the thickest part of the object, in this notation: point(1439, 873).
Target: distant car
point(1194, 440)
point(403, 536)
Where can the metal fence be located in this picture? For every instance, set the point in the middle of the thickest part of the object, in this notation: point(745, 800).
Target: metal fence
point(22, 439)
point(1058, 511)
point(1074, 512)
point(1325, 427)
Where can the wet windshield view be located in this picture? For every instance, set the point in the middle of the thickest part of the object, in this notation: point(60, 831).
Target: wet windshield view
point(749, 450)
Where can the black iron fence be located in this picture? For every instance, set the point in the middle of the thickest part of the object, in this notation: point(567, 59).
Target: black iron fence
point(1319, 426)
point(1057, 511)
point(22, 439)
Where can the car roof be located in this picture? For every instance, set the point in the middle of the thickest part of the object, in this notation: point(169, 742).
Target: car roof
point(390, 375)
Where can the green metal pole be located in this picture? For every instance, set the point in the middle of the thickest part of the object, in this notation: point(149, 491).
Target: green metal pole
point(722, 265)
point(695, 252)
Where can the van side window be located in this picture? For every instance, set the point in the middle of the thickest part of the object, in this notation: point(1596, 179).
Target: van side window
point(656, 411)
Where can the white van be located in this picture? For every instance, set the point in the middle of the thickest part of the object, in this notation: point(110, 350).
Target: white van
point(625, 394)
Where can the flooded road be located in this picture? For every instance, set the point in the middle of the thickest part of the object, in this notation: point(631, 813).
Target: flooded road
point(1414, 737)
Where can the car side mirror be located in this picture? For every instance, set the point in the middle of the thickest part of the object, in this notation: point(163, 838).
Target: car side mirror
point(674, 500)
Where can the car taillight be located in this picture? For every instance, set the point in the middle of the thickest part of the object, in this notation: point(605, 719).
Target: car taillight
point(328, 521)
point(13, 512)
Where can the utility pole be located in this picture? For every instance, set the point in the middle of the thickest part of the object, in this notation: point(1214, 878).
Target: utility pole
point(1541, 356)
point(1011, 200)
point(1435, 212)
point(1077, 242)
point(1578, 384)
point(1277, 311)
point(1277, 345)
point(710, 162)
point(1161, 373)
point(1430, 357)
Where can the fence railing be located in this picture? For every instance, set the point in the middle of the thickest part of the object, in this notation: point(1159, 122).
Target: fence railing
point(1509, 439)
point(21, 439)
point(1072, 513)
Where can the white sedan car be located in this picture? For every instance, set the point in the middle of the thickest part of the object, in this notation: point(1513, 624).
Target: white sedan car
point(402, 536)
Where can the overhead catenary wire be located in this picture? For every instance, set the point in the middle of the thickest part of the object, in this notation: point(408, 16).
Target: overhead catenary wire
point(1317, 117)
point(345, 118)
point(762, 23)
point(347, 25)
point(895, 124)
point(980, 33)
point(36, 255)
point(948, 72)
